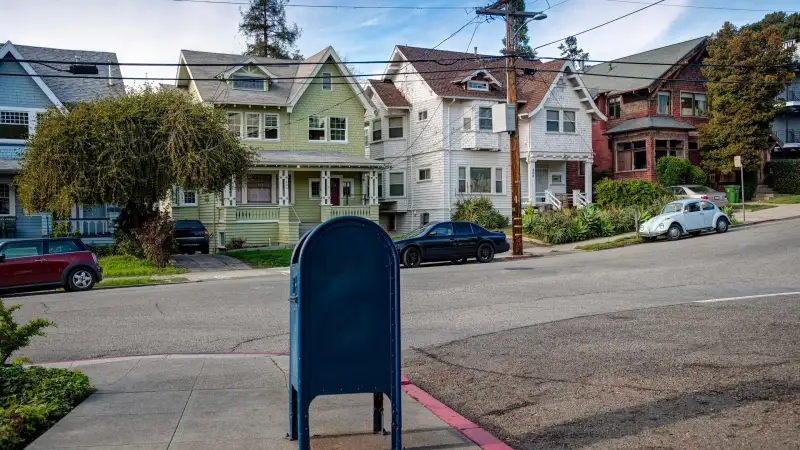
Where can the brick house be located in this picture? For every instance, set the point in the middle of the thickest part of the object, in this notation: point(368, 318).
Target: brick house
point(653, 110)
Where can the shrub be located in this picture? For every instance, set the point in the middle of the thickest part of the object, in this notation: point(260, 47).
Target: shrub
point(750, 185)
point(672, 171)
point(236, 243)
point(156, 241)
point(13, 336)
point(126, 244)
point(34, 398)
point(786, 176)
point(623, 193)
point(63, 229)
point(481, 211)
point(697, 175)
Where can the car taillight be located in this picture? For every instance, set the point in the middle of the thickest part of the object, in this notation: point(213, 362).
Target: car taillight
point(94, 258)
point(205, 232)
point(704, 197)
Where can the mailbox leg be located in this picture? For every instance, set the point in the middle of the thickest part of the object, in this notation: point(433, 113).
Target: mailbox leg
point(293, 414)
point(377, 412)
point(304, 437)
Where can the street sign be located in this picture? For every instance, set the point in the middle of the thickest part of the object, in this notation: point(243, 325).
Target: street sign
point(737, 161)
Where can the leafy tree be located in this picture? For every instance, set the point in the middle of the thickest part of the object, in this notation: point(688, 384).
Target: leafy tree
point(672, 171)
point(13, 336)
point(741, 100)
point(788, 25)
point(264, 25)
point(519, 25)
point(569, 50)
point(128, 150)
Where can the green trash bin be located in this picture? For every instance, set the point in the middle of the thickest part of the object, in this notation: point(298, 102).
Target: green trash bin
point(732, 191)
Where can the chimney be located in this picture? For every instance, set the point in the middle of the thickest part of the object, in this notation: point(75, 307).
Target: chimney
point(110, 81)
point(476, 51)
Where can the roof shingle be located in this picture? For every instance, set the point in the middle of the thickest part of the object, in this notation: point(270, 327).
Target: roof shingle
point(388, 93)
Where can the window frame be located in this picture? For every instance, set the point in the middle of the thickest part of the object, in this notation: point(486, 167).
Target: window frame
point(182, 197)
point(424, 219)
point(324, 128)
point(478, 85)
point(614, 107)
point(12, 199)
point(549, 121)
point(329, 81)
point(311, 195)
point(379, 130)
point(247, 78)
point(422, 115)
point(238, 114)
point(380, 185)
point(403, 172)
point(13, 243)
point(46, 251)
point(330, 130)
point(424, 171)
point(247, 126)
point(667, 94)
point(633, 150)
point(33, 119)
point(277, 127)
point(402, 127)
point(693, 96)
point(481, 126)
point(564, 121)
point(466, 124)
point(493, 171)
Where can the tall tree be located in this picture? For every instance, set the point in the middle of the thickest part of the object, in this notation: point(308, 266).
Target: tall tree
point(746, 70)
point(787, 24)
point(268, 34)
point(128, 150)
point(569, 50)
point(519, 26)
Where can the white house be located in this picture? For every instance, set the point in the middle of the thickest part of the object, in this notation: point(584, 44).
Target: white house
point(434, 127)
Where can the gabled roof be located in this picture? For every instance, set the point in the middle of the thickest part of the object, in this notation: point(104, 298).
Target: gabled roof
point(536, 88)
point(671, 54)
point(644, 123)
point(546, 79)
point(65, 88)
point(248, 62)
point(388, 94)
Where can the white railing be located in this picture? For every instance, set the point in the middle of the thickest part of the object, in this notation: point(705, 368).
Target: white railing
point(257, 214)
point(102, 227)
point(579, 199)
point(550, 198)
point(358, 211)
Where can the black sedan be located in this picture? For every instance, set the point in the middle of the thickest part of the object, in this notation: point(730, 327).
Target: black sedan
point(450, 241)
point(190, 236)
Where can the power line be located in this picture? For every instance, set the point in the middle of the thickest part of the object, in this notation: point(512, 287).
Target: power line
point(302, 5)
point(724, 8)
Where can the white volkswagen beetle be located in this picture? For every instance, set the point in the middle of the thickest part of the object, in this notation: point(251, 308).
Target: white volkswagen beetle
point(685, 216)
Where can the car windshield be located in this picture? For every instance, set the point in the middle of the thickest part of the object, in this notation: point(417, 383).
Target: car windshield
point(415, 233)
point(700, 189)
point(672, 208)
point(188, 225)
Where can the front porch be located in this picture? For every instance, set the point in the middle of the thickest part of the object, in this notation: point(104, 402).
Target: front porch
point(555, 182)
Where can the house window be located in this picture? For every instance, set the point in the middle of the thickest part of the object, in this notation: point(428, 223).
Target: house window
point(422, 115)
point(14, 125)
point(347, 190)
point(395, 127)
point(397, 184)
point(498, 180)
point(569, 121)
point(247, 83)
point(631, 156)
point(480, 180)
point(235, 123)
point(581, 169)
point(664, 106)
point(189, 198)
point(376, 130)
point(259, 188)
point(614, 108)
point(477, 86)
point(316, 128)
point(338, 129)
point(424, 219)
point(366, 136)
point(424, 174)
point(462, 180)
point(467, 123)
point(271, 127)
point(552, 121)
point(485, 119)
point(380, 185)
point(5, 200)
point(556, 178)
point(252, 125)
point(313, 189)
point(327, 85)
point(693, 104)
point(669, 148)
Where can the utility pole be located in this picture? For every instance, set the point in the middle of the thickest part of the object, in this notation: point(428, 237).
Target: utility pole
point(511, 99)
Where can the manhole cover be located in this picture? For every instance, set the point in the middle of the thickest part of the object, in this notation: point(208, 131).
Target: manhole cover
point(518, 268)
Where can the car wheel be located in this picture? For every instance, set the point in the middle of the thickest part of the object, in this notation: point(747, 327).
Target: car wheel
point(674, 232)
point(485, 253)
point(80, 279)
point(722, 225)
point(459, 261)
point(412, 258)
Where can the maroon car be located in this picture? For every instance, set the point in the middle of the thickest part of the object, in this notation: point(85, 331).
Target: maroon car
point(33, 264)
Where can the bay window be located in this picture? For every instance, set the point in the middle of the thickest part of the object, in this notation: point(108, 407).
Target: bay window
point(669, 148)
point(395, 127)
point(631, 156)
point(376, 130)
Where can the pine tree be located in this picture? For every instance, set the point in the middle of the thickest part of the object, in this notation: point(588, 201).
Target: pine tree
point(740, 100)
point(569, 50)
point(519, 25)
point(268, 34)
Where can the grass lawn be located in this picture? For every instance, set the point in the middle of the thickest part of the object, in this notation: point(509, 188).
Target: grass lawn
point(789, 199)
point(138, 280)
point(128, 266)
point(262, 258)
point(620, 242)
point(750, 207)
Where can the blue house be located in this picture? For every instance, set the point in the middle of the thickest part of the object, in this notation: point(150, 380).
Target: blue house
point(25, 92)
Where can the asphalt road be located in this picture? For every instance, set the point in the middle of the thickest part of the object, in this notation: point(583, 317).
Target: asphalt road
point(439, 304)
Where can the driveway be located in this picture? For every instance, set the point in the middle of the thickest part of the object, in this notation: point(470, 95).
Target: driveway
point(208, 263)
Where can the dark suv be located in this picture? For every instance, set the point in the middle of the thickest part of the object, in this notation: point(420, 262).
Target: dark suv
point(33, 264)
point(190, 236)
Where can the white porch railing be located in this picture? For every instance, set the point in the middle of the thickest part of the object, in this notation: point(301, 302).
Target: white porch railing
point(102, 227)
point(579, 199)
point(257, 213)
point(358, 211)
point(552, 199)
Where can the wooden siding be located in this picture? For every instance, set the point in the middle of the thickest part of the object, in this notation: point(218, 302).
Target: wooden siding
point(20, 91)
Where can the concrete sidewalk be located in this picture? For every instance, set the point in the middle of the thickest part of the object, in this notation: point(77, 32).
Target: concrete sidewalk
point(779, 212)
point(223, 401)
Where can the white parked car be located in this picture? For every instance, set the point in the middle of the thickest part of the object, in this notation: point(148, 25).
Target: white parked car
point(685, 216)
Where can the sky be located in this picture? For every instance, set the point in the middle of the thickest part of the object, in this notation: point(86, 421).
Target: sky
point(156, 30)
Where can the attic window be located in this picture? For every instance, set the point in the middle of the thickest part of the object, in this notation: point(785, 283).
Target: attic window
point(247, 83)
point(473, 85)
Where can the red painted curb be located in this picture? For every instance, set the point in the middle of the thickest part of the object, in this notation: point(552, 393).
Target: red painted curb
point(199, 355)
point(474, 433)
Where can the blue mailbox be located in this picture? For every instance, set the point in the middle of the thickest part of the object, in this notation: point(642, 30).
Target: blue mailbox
point(344, 295)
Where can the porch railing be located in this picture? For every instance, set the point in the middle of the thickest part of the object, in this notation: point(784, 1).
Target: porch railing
point(579, 199)
point(552, 199)
point(88, 227)
point(257, 213)
point(791, 136)
point(359, 211)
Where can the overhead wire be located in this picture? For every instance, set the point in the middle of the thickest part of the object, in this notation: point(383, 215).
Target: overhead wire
point(306, 5)
point(722, 8)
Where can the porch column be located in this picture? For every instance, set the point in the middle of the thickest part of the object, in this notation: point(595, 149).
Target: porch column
point(532, 182)
point(373, 187)
point(325, 187)
point(229, 194)
point(283, 188)
point(587, 180)
point(364, 188)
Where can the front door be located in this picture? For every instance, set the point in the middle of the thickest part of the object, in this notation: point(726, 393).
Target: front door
point(542, 185)
point(335, 197)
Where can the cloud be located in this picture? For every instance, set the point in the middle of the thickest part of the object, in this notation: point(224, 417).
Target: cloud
point(370, 23)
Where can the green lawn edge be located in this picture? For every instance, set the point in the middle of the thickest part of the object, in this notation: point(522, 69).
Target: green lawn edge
point(262, 259)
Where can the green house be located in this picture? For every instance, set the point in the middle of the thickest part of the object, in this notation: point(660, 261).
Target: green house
point(305, 122)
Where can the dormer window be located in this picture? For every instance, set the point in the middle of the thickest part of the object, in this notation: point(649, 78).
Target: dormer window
point(249, 78)
point(474, 85)
point(246, 82)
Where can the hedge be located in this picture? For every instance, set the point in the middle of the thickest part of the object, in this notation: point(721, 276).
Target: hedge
point(480, 210)
point(623, 193)
point(672, 171)
point(32, 399)
point(786, 176)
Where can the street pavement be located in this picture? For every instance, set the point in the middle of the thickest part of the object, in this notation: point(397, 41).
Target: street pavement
point(440, 303)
